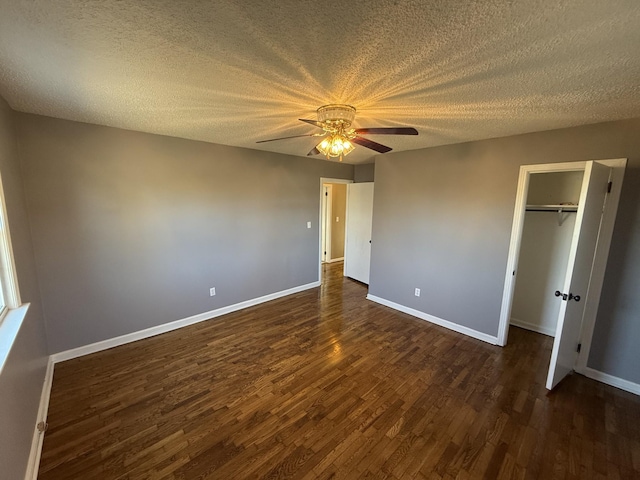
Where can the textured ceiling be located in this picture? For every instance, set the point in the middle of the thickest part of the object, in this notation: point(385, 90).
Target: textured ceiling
point(234, 72)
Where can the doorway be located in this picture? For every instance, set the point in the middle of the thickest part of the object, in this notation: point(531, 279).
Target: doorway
point(549, 223)
point(333, 205)
point(558, 253)
point(334, 208)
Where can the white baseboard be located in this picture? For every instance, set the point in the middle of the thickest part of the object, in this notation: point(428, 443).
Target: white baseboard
point(167, 327)
point(611, 380)
point(38, 438)
point(438, 321)
point(334, 260)
point(533, 327)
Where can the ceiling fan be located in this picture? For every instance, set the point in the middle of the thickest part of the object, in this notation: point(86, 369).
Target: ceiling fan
point(339, 138)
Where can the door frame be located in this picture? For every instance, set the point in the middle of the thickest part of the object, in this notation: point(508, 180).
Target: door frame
point(592, 299)
point(325, 225)
point(324, 180)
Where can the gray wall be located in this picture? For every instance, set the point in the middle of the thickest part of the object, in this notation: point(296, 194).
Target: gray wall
point(22, 379)
point(364, 173)
point(131, 229)
point(442, 222)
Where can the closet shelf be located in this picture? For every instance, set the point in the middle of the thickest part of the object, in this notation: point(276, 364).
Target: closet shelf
point(552, 208)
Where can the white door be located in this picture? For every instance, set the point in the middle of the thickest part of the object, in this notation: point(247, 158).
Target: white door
point(576, 285)
point(357, 253)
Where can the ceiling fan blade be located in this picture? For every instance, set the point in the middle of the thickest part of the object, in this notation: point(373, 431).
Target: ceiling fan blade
point(365, 142)
point(387, 131)
point(312, 122)
point(314, 151)
point(284, 138)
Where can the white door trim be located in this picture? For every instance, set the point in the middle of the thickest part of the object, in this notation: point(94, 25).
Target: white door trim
point(325, 225)
point(602, 250)
point(324, 180)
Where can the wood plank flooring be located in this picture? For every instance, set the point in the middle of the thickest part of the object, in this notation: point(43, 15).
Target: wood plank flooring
point(325, 384)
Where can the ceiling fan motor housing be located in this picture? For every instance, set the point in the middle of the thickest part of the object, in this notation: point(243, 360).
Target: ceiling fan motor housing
point(336, 115)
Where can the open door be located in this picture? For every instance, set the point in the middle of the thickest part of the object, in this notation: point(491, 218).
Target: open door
point(357, 255)
point(576, 285)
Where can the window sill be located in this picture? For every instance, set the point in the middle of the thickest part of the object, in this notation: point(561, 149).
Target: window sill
point(9, 328)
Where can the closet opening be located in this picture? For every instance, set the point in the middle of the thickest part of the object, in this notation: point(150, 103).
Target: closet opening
point(549, 223)
point(560, 239)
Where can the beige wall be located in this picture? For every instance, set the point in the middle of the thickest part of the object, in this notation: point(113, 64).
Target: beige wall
point(339, 209)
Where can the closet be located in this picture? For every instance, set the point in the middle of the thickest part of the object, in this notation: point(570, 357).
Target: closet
point(562, 226)
point(549, 225)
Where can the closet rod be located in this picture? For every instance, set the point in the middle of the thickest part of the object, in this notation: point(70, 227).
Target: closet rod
point(559, 209)
point(552, 208)
point(563, 210)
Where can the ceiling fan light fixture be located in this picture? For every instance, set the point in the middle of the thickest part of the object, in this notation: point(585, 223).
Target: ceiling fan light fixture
point(336, 145)
point(336, 120)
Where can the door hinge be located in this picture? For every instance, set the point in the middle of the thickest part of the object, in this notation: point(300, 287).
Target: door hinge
point(326, 194)
point(609, 186)
point(579, 347)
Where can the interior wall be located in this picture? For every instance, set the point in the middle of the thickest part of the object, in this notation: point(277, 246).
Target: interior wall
point(364, 173)
point(22, 378)
point(338, 209)
point(131, 229)
point(555, 188)
point(544, 251)
point(442, 223)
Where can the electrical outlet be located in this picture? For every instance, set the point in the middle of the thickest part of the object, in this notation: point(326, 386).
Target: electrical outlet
point(417, 292)
point(212, 291)
point(337, 219)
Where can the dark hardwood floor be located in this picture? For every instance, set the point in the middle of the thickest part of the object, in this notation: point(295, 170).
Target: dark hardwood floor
point(325, 384)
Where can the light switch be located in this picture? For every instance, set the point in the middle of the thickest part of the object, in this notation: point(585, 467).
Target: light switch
point(337, 219)
point(308, 224)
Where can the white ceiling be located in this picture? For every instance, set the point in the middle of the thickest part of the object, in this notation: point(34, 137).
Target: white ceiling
point(234, 72)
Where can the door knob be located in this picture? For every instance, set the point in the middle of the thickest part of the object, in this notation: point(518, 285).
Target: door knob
point(560, 294)
point(566, 297)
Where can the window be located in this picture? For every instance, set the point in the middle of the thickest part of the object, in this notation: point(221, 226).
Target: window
point(3, 304)
point(9, 296)
point(11, 312)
